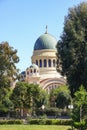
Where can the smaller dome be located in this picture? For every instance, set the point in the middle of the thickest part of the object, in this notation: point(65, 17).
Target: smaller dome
point(34, 66)
point(23, 73)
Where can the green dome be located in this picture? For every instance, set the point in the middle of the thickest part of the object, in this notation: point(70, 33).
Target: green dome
point(45, 41)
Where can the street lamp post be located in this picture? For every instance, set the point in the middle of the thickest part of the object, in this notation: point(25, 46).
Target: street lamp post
point(71, 105)
point(71, 108)
point(43, 107)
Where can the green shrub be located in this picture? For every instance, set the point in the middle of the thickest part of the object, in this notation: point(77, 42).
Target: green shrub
point(66, 122)
point(14, 122)
point(49, 122)
point(53, 112)
point(36, 121)
point(10, 122)
point(62, 122)
point(18, 122)
point(33, 121)
point(56, 122)
point(42, 122)
point(80, 125)
point(2, 122)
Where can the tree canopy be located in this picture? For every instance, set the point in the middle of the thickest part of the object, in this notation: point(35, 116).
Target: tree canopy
point(28, 96)
point(8, 59)
point(79, 113)
point(58, 95)
point(8, 71)
point(72, 48)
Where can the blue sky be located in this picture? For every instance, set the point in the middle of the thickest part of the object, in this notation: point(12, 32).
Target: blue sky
point(23, 21)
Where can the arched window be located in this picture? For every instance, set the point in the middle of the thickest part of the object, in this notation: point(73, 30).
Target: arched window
point(34, 70)
point(22, 76)
point(49, 63)
point(40, 63)
point(54, 63)
point(27, 72)
point(31, 71)
point(45, 63)
point(36, 62)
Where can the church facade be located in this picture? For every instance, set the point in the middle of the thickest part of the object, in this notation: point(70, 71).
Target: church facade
point(43, 71)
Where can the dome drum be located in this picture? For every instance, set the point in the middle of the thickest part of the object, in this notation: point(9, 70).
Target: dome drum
point(47, 52)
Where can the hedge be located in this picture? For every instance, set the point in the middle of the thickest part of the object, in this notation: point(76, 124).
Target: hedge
point(50, 121)
point(39, 122)
point(2, 122)
point(53, 112)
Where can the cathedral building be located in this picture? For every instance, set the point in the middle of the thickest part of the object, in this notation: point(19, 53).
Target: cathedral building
point(43, 71)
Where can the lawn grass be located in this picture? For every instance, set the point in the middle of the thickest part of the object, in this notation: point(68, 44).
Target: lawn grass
point(33, 127)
